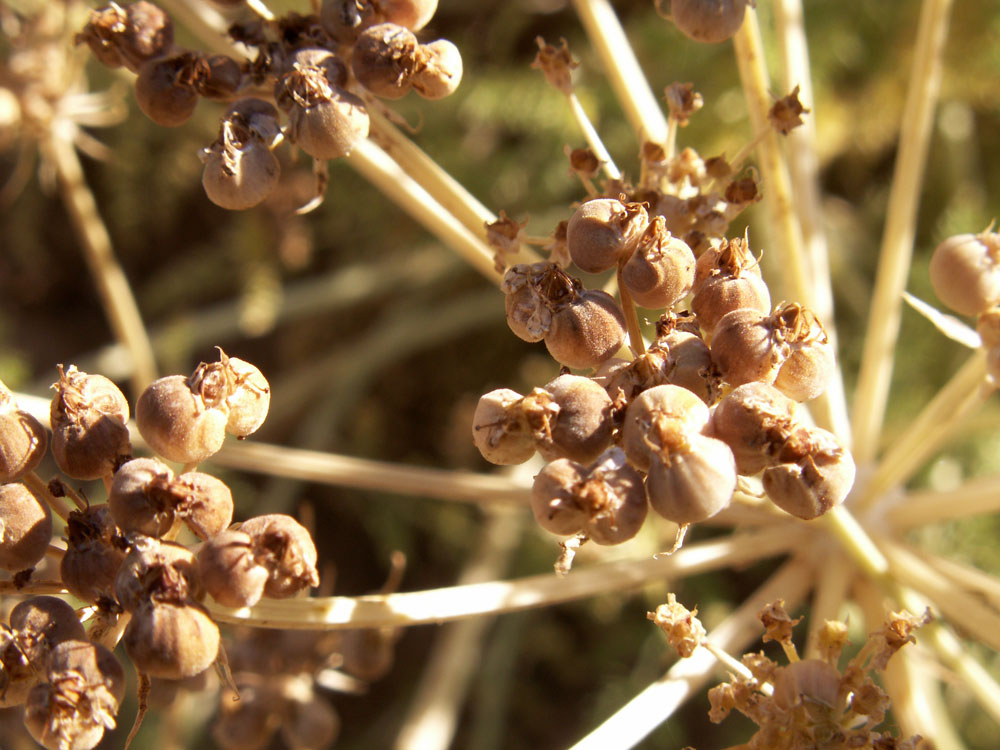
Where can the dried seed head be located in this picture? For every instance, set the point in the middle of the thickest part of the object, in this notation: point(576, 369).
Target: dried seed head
point(810, 682)
point(88, 414)
point(139, 498)
point(156, 572)
point(604, 500)
point(439, 70)
point(808, 358)
point(385, 59)
point(659, 421)
point(239, 174)
point(249, 398)
point(177, 421)
point(499, 430)
point(413, 14)
point(710, 21)
point(681, 625)
point(25, 528)
point(817, 473)
point(165, 89)
point(314, 59)
point(229, 571)
point(128, 35)
point(660, 271)
point(570, 418)
point(744, 348)
point(754, 420)
point(23, 439)
point(283, 546)
point(95, 551)
point(586, 331)
point(604, 231)
point(965, 272)
point(727, 278)
point(172, 641)
point(330, 127)
point(694, 482)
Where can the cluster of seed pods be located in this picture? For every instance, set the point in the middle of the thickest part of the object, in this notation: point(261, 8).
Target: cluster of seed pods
point(325, 70)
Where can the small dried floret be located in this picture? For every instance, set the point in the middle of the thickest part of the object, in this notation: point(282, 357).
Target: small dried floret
point(683, 101)
point(898, 630)
point(786, 114)
point(556, 63)
point(127, 35)
point(777, 624)
point(95, 550)
point(682, 627)
point(504, 236)
point(283, 546)
point(832, 638)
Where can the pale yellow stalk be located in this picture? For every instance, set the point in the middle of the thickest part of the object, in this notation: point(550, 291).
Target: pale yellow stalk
point(975, 497)
point(593, 139)
point(834, 578)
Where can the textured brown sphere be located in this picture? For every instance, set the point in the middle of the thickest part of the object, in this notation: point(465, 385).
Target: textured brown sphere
point(176, 423)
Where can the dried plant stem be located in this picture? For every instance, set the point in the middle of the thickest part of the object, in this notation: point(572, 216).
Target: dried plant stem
point(630, 86)
point(856, 542)
point(33, 588)
point(900, 224)
point(40, 489)
point(496, 597)
point(635, 339)
point(654, 705)
point(593, 139)
point(735, 666)
point(204, 21)
point(967, 577)
point(112, 287)
point(975, 497)
point(953, 655)
point(925, 435)
point(782, 220)
point(834, 582)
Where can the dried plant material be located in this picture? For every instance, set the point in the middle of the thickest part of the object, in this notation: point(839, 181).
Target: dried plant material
point(681, 625)
point(683, 101)
point(556, 63)
point(504, 236)
point(786, 114)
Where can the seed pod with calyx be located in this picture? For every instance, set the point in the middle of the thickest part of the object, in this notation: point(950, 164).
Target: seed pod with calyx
point(95, 551)
point(328, 124)
point(156, 571)
point(710, 21)
point(570, 418)
point(604, 231)
point(815, 474)
point(283, 546)
point(754, 420)
point(692, 479)
point(88, 414)
point(624, 380)
point(250, 722)
point(310, 721)
point(808, 682)
point(249, 397)
point(965, 272)
point(660, 271)
point(413, 14)
point(345, 19)
point(128, 35)
point(170, 640)
point(657, 419)
point(23, 439)
point(727, 278)
point(139, 499)
point(79, 700)
point(529, 291)
point(25, 528)
point(331, 67)
point(808, 358)
point(165, 88)
point(586, 330)
point(183, 418)
point(439, 70)
point(689, 364)
point(240, 170)
point(744, 347)
point(384, 60)
point(605, 500)
point(499, 429)
point(230, 573)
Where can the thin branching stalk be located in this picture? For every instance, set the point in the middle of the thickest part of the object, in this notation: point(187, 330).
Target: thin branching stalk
point(956, 657)
point(900, 226)
point(592, 137)
point(967, 577)
point(833, 583)
point(40, 490)
point(654, 705)
point(856, 542)
point(496, 597)
point(974, 497)
point(627, 79)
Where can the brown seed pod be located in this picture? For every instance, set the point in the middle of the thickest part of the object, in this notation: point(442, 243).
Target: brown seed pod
point(165, 89)
point(530, 292)
point(23, 439)
point(25, 528)
point(309, 723)
point(755, 420)
point(413, 14)
point(499, 429)
point(727, 278)
point(817, 474)
point(586, 331)
point(710, 21)
point(128, 35)
point(139, 499)
point(177, 422)
point(439, 70)
point(308, 61)
point(689, 364)
point(88, 414)
point(660, 271)
point(345, 19)
point(744, 348)
point(283, 546)
point(658, 420)
point(156, 571)
point(605, 500)
point(808, 358)
point(624, 380)
point(965, 272)
point(808, 682)
point(604, 231)
point(172, 641)
point(218, 77)
point(250, 722)
point(95, 551)
point(384, 60)
point(692, 482)
point(229, 571)
point(249, 398)
point(239, 175)
point(331, 128)
point(570, 418)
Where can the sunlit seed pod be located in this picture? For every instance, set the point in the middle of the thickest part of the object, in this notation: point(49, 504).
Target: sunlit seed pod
point(163, 91)
point(203, 502)
point(254, 118)
point(965, 272)
point(176, 423)
point(727, 278)
point(238, 177)
point(384, 60)
point(626, 380)
point(25, 528)
point(710, 21)
point(498, 430)
point(439, 70)
point(229, 571)
point(812, 485)
point(283, 546)
point(155, 571)
point(413, 14)
point(331, 128)
point(128, 34)
point(95, 551)
point(586, 331)
point(809, 360)
point(172, 641)
point(689, 364)
point(604, 231)
point(579, 427)
point(552, 500)
point(808, 682)
point(139, 497)
point(754, 420)
point(744, 348)
point(249, 399)
point(218, 77)
point(693, 483)
point(527, 314)
point(23, 439)
point(660, 419)
point(660, 271)
point(310, 724)
point(345, 19)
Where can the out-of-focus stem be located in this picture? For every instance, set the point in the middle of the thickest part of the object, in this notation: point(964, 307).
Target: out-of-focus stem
point(896, 251)
point(40, 490)
point(593, 139)
point(636, 342)
point(834, 580)
point(975, 497)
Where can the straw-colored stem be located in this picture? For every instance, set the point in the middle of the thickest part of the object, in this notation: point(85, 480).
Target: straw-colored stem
point(735, 666)
point(834, 582)
point(967, 577)
point(112, 286)
point(496, 597)
point(900, 225)
point(855, 542)
point(656, 703)
point(980, 683)
point(975, 497)
point(925, 435)
point(635, 339)
point(40, 490)
point(622, 68)
point(592, 137)
point(32, 588)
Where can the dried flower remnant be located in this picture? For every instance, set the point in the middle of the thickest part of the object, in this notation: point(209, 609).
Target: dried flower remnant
point(682, 627)
point(556, 64)
point(127, 35)
point(786, 114)
point(683, 101)
point(504, 236)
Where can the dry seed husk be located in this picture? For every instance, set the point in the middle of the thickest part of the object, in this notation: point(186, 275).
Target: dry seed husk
point(586, 331)
point(23, 443)
point(694, 482)
point(88, 414)
point(330, 128)
point(814, 483)
point(754, 420)
point(25, 528)
point(579, 428)
point(171, 641)
point(240, 177)
point(163, 93)
point(657, 419)
point(283, 546)
point(157, 571)
point(439, 70)
point(229, 571)
point(603, 231)
point(384, 60)
point(175, 421)
point(499, 431)
point(249, 400)
point(660, 272)
point(94, 553)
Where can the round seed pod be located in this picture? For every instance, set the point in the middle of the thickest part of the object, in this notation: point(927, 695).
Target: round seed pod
point(754, 420)
point(309, 723)
point(439, 70)
point(710, 21)
point(25, 528)
point(368, 653)
point(139, 499)
point(23, 439)
point(498, 430)
point(693, 482)
point(156, 571)
point(603, 231)
point(171, 641)
point(586, 331)
point(817, 481)
point(164, 90)
point(174, 419)
point(128, 35)
point(413, 14)
point(689, 364)
point(204, 503)
point(571, 418)
point(345, 19)
point(530, 292)
point(249, 399)
point(744, 348)
point(88, 414)
point(658, 419)
point(727, 278)
point(95, 551)
point(527, 314)
point(660, 271)
point(385, 59)
point(553, 501)
point(250, 722)
point(965, 272)
point(253, 118)
point(283, 546)
point(229, 571)
point(625, 380)
point(809, 360)
point(810, 682)
point(330, 128)
point(304, 74)
point(238, 177)
point(218, 77)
